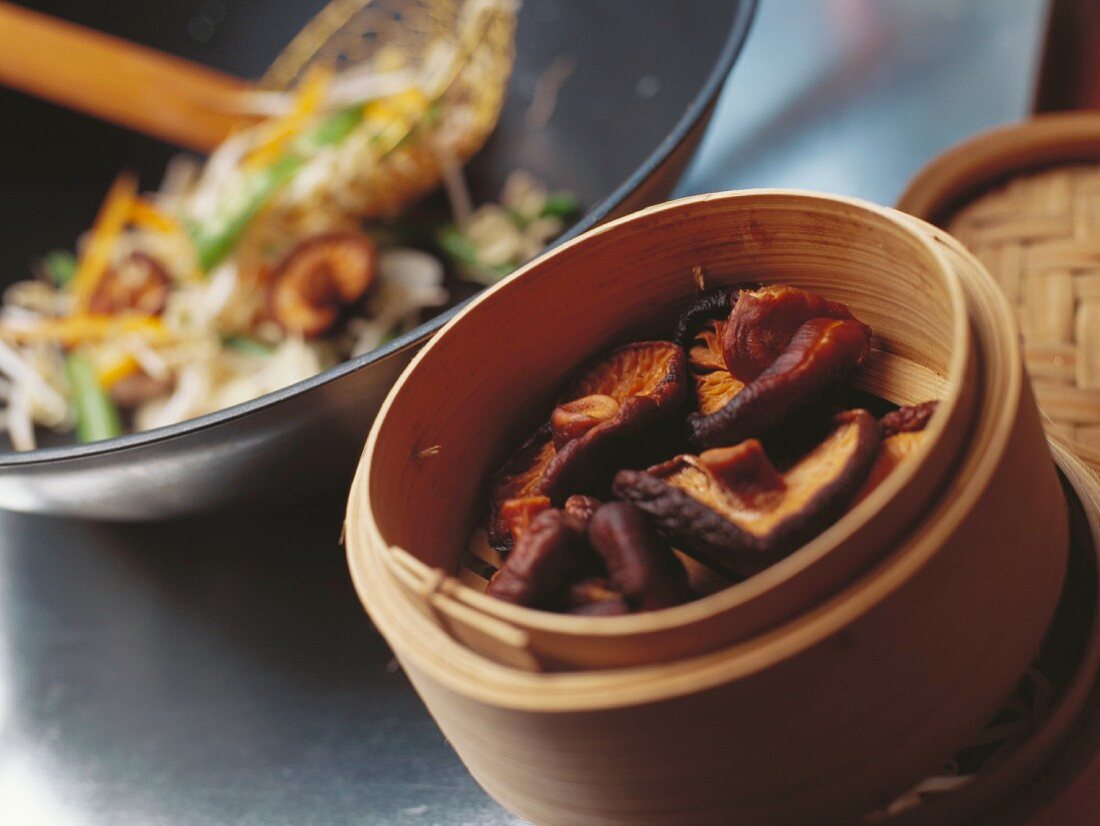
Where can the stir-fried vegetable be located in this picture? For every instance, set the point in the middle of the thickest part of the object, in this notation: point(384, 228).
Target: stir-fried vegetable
point(96, 415)
point(216, 238)
point(60, 266)
point(109, 223)
point(144, 214)
point(176, 303)
point(83, 329)
point(281, 132)
point(496, 239)
point(460, 248)
point(560, 205)
point(247, 345)
point(329, 132)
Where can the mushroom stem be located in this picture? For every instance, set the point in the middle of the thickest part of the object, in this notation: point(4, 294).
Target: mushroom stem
point(641, 566)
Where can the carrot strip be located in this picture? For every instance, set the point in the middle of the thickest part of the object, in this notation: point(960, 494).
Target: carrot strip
point(109, 223)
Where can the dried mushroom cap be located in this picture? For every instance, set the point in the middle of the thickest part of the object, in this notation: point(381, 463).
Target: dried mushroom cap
point(733, 509)
point(895, 450)
point(518, 479)
point(705, 354)
point(764, 321)
point(715, 386)
point(616, 399)
point(709, 306)
point(319, 278)
point(703, 580)
point(822, 352)
point(641, 567)
point(518, 513)
point(650, 370)
point(547, 556)
point(139, 283)
point(911, 419)
point(572, 420)
point(903, 433)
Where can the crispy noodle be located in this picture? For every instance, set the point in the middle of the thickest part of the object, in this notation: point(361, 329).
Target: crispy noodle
point(20, 426)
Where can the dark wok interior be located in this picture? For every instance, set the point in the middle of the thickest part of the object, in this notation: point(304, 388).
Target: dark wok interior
point(607, 121)
point(640, 67)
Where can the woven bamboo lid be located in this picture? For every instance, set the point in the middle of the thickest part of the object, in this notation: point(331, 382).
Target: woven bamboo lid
point(1026, 200)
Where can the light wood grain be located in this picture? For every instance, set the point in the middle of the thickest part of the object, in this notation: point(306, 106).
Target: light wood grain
point(133, 86)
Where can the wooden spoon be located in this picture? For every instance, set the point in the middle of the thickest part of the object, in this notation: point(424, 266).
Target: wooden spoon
point(133, 86)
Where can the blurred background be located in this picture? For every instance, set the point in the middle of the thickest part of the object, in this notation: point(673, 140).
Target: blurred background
point(854, 96)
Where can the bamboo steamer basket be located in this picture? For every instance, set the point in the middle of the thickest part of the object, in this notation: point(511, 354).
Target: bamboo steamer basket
point(1019, 780)
point(879, 647)
point(630, 276)
point(1025, 198)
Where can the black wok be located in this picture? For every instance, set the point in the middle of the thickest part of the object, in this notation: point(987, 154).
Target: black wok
point(647, 74)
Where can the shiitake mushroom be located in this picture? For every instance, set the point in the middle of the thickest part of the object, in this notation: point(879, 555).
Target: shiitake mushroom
point(736, 511)
point(548, 555)
point(614, 401)
point(139, 283)
point(614, 564)
point(640, 566)
point(788, 346)
point(715, 385)
point(714, 305)
point(903, 433)
point(319, 278)
point(761, 362)
point(764, 321)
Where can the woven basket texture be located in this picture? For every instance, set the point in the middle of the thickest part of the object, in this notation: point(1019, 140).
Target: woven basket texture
point(1039, 235)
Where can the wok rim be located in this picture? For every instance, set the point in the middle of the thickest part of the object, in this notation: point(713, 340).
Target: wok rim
point(693, 114)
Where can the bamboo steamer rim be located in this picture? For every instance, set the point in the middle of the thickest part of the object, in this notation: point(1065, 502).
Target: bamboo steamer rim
point(458, 668)
point(755, 587)
point(996, 153)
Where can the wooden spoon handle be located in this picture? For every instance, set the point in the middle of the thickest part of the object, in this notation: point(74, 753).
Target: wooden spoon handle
point(133, 86)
